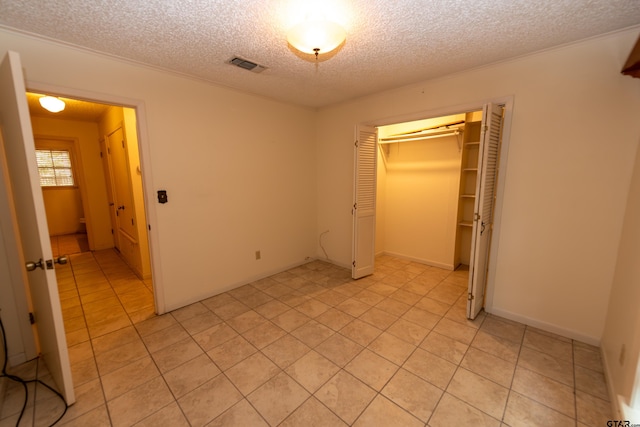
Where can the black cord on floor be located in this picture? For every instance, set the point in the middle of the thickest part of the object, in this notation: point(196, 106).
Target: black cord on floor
point(25, 382)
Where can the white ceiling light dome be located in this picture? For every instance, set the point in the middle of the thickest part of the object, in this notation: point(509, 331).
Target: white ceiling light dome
point(52, 104)
point(316, 36)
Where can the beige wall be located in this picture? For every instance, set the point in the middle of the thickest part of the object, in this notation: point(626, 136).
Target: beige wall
point(64, 210)
point(95, 204)
point(418, 194)
point(63, 204)
point(243, 173)
point(239, 169)
point(623, 316)
point(571, 144)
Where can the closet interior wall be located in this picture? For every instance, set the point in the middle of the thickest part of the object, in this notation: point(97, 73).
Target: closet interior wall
point(426, 192)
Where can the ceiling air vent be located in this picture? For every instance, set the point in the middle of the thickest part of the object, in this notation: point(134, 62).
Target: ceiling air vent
point(247, 65)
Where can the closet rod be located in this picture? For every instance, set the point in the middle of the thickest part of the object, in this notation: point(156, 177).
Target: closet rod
point(448, 132)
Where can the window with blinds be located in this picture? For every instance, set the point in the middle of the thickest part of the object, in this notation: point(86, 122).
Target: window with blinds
point(54, 167)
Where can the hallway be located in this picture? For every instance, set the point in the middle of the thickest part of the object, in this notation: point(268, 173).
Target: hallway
point(310, 346)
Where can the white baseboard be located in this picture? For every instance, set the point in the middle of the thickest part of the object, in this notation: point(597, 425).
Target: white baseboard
point(616, 408)
point(628, 413)
point(568, 333)
point(620, 410)
point(421, 261)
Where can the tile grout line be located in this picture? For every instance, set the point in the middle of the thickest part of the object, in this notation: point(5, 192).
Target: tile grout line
point(513, 377)
point(84, 314)
point(314, 297)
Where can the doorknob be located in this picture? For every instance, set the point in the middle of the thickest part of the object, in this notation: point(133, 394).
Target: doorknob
point(121, 207)
point(60, 260)
point(33, 265)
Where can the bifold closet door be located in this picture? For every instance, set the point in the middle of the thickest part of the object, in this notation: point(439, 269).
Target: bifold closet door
point(364, 201)
point(483, 210)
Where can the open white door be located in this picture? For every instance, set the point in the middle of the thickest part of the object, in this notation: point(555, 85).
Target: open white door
point(118, 163)
point(364, 201)
point(483, 210)
point(33, 232)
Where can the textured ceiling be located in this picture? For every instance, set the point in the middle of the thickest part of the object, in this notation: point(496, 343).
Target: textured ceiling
point(390, 43)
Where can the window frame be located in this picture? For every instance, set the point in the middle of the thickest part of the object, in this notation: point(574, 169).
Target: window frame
point(61, 145)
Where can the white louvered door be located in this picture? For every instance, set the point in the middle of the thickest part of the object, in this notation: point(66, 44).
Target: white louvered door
point(483, 211)
point(364, 201)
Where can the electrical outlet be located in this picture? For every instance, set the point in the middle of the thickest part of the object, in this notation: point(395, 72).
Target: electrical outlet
point(258, 256)
point(623, 351)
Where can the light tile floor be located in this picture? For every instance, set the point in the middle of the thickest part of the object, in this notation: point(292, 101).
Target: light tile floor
point(310, 347)
point(67, 244)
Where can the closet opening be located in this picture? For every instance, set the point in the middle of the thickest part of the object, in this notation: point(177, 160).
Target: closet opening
point(425, 190)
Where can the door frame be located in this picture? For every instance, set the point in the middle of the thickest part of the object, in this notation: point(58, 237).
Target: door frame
point(145, 166)
point(508, 103)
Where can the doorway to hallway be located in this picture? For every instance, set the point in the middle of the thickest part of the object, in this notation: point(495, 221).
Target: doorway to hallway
point(106, 178)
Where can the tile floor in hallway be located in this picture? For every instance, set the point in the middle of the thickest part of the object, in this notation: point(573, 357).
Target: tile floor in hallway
point(69, 244)
point(310, 347)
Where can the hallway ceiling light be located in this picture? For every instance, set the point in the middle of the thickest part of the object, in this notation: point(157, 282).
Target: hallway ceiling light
point(316, 35)
point(52, 104)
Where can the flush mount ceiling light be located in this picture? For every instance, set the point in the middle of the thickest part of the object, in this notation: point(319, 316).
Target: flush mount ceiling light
point(316, 36)
point(52, 104)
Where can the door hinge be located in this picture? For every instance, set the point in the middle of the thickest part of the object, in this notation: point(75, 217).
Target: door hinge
point(112, 231)
point(108, 150)
point(353, 263)
point(101, 154)
point(470, 297)
point(32, 319)
point(356, 143)
point(122, 144)
point(131, 221)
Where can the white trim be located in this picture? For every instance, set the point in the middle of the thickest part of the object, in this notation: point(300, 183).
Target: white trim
point(567, 333)
point(145, 166)
point(418, 260)
point(620, 408)
point(616, 402)
point(627, 412)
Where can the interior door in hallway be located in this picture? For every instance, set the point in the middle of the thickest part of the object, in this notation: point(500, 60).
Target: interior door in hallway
point(32, 230)
point(121, 188)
